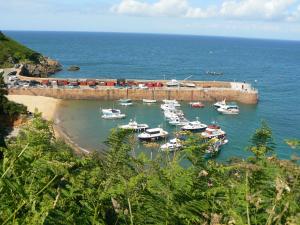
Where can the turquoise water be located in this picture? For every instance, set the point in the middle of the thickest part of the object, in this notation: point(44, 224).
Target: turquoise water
point(275, 65)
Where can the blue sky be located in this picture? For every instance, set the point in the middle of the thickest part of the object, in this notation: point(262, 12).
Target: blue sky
point(278, 19)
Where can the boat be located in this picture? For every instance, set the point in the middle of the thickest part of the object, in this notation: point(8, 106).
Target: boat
point(153, 134)
point(190, 85)
point(214, 147)
point(167, 101)
point(220, 104)
point(197, 105)
point(215, 131)
point(133, 125)
point(173, 83)
point(178, 121)
point(112, 114)
point(214, 73)
point(125, 102)
point(229, 109)
point(149, 101)
point(194, 126)
point(172, 145)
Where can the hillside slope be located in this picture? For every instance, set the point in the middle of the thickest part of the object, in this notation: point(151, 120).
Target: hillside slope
point(35, 64)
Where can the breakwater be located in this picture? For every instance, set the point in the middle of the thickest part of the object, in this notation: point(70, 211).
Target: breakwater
point(204, 91)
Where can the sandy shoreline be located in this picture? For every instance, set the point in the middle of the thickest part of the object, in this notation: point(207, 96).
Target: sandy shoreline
point(48, 107)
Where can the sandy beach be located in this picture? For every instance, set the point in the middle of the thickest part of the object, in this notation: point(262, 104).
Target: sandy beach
point(47, 106)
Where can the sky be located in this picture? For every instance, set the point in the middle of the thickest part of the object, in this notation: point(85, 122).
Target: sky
point(273, 19)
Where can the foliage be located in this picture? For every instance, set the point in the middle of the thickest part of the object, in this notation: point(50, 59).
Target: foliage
point(43, 182)
point(11, 51)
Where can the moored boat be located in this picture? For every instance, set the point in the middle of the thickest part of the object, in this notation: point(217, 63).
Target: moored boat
point(229, 109)
point(214, 131)
point(194, 126)
point(153, 134)
point(112, 114)
point(220, 104)
point(172, 145)
point(125, 102)
point(196, 105)
point(133, 125)
point(149, 101)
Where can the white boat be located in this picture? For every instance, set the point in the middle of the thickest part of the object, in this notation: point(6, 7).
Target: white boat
point(167, 101)
point(169, 114)
point(220, 104)
point(149, 101)
point(172, 145)
point(169, 106)
point(178, 121)
point(173, 83)
point(215, 146)
point(229, 109)
point(133, 125)
point(194, 126)
point(125, 102)
point(190, 85)
point(153, 134)
point(112, 114)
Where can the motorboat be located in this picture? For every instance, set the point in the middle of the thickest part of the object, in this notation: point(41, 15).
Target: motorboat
point(171, 102)
point(112, 114)
point(149, 101)
point(215, 146)
point(229, 109)
point(153, 134)
point(215, 131)
point(197, 105)
point(133, 125)
point(173, 83)
point(194, 126)
point(125, 102)
point(169, 114)
point(178, 121)
point(220, 104)
point(172, 145)
point(167, 107)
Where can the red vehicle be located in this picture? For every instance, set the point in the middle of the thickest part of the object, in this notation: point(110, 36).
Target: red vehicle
point(110, 83)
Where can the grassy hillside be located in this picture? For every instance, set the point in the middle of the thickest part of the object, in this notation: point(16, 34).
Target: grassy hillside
point(12, 52)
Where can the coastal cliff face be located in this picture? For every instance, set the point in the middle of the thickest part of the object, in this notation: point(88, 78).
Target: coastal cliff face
point(35, 64)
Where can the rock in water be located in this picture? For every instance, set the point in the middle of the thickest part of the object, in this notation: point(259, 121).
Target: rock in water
point(73, 68)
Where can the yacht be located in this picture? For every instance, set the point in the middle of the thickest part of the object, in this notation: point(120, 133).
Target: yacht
point(173, 83)
point(196, 105)
point(133, 125)
point(153, 134)
point(149, 101)
point(125, 102)
point(194, 126)
point(229, 109)
point(112, 114)
point(172, 145)
point(220, 104)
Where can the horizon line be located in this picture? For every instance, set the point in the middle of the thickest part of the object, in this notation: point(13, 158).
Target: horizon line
point(159, 33)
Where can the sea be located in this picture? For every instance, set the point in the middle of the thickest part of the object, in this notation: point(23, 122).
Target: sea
point(271, 66)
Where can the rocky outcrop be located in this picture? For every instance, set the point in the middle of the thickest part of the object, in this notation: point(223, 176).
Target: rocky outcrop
point(73, 68)
point(43, 68)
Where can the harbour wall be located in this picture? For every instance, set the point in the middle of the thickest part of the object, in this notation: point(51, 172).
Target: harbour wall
point(213, 93)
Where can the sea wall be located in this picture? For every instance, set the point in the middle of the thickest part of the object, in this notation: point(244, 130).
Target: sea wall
point(182, 94)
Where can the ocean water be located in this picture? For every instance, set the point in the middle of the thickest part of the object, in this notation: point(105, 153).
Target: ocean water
point(272, 66)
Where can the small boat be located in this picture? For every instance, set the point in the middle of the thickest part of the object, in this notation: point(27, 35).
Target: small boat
point(194, 126)
point(229, 109)
point(133, 125)
point(173, 83)
point(171, 102)
point(125, 102)
point(214, 73)
point(112, 114)
point(220, 104)
point(153, 134)
point(178, 121)
point(190, 85)
point(172, 145)
point(197, 105)
point(149, 101)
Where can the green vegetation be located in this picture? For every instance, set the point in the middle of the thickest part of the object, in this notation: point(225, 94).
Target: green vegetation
point(12, 52)
point(43, 182)
point(9, 111)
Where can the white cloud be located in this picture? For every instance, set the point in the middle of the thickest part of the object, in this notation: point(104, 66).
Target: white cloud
point(231, 9)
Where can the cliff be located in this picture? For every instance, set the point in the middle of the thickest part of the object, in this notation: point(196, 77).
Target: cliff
point(35, 64)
